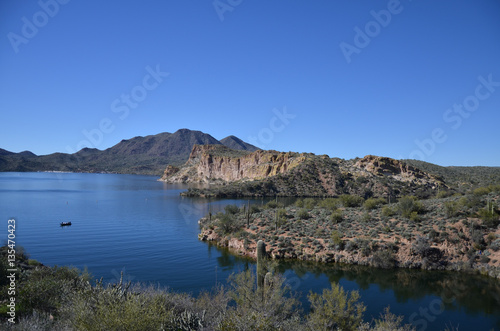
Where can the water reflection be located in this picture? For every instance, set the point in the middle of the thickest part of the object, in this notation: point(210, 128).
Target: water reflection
point(459, 293)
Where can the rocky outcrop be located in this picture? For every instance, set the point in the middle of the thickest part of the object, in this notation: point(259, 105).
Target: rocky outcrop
point(213, 163)
point(398, 170)
point(270, 173)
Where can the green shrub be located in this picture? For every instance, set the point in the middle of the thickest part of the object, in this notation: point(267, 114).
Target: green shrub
point(303, 214)
point(351, 200)
point(260, 308)
point(389, 321)
point(335, 310)
point(471, 201)
point(232, 209)
point(372, 203)
point(490, 218)
point(383, 259)
point(336, 217)
point(310, 203)
point(387, 211)
point(443, 194)
point(494, 188)
point(336, 237)
point(48, 289)
point(116, 307)
point(271, 204)
point(451, 208)
point(329, 203)
point(227, 224)
point(299, 203)
point(408, 205)
point(414, 217)
point(366, 217)
point(33, 262)
point(481, 191)
point(254, 209)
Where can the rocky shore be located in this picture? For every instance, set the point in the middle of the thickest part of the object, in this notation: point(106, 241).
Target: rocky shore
point(354, 235)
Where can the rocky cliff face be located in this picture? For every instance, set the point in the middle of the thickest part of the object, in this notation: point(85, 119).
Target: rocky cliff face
point(212, 163)
point(397, 170)
point(269, 173)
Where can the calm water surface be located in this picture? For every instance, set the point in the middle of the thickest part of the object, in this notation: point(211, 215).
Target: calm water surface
point(143, 228)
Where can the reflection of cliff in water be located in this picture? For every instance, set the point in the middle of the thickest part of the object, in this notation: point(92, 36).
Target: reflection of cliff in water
point(471, 292)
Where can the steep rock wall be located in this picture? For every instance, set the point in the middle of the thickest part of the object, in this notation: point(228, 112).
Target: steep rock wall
point(211, 163)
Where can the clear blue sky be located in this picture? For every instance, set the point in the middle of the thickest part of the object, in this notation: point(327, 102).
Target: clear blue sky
point(404, 79)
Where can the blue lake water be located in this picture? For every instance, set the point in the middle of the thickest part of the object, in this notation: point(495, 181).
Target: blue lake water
point(145, 229)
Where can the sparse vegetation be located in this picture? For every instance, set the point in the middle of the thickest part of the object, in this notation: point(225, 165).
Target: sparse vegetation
point(405, 234)
point(66, 299)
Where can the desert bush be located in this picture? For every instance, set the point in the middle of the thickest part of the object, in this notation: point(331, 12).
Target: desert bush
point(372, 203)
point(495, 245)
point(451, 208)
point(389, 321)
point(271, 204)
point(407, 205)
point(231, 209)
point(303, 214)
point(351, 200)
point(227, 224)
point(336, 237)
point(490, 238)
point(383, 259)
point(443, 194)
point(335, 309)
point(299, 203)
point(336, 217)
point(254, 209)
point(329, 203)
point(414, 217)
point(366, 217)
point(480, 191)
point(259, 308)
point(470, 201)
point(421, 246)
point(48, 289)
point(387, 211)
point(484, 259)
point(489, 215)
point(120, 307)
point(310, 203)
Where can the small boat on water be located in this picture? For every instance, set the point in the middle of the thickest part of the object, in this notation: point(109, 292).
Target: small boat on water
point(65, 223)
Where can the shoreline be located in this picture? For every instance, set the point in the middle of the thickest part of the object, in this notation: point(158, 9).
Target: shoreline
point(236, 247)
point(462, 244)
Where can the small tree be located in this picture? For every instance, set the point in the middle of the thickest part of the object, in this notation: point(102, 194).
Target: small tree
point(451, 208)
point(335, 310)
point(259, 308)
point(409, 204)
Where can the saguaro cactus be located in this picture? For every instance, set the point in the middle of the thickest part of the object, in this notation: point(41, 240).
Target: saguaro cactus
point(261, 272)
point(248, 213)
point(276, 219)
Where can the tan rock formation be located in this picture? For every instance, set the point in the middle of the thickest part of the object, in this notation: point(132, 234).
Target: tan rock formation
point(210, 163)
point(385, 166)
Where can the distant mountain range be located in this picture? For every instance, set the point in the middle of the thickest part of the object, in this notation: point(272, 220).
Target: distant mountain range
point(139, 155)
